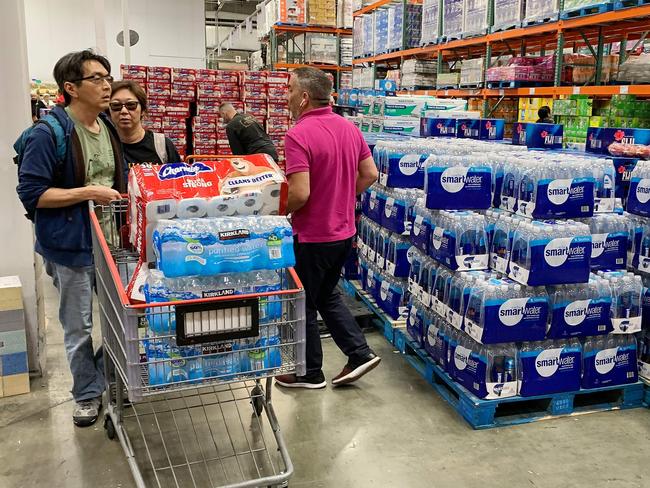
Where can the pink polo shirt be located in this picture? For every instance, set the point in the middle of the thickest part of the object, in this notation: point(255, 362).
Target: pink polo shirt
point(330, 148)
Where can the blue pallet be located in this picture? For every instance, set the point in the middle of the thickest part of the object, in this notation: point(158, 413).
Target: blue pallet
point(599, 8)
point(621, 4)
point(386, 325)
point(485, 414)
point(505, 27)
point(540, 20)
point(515, 84)
point(646, 396)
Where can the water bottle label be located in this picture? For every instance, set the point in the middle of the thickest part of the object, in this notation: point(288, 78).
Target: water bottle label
point(638, 201)
point(383, 179)
point(470, 370)
point(512, 320)
point(405, 170)
point(499, 264)
point(395, 216)
point(459, 187)
point(609, 251)
point(547, 371)
point(455, 319)
point(432, 341)
point(468, 262)
point(581, 318)
point(501, 390)
point(381, 261)
point(561, 260)
point(609, 367)
point(566, 198)
point(604, 205)
point(630, 325)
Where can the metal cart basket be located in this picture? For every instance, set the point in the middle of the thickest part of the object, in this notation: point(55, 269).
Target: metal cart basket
point(182, 376)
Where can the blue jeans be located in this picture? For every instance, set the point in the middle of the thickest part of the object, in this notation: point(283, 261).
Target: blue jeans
point(75, 285)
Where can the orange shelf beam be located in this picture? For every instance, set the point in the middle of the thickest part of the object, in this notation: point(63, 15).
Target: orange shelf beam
point(311, 28)
point(542, 91)
point(371, 7)
point(591, 21)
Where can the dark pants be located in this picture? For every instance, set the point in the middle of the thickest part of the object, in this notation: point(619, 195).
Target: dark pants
point(319, 267)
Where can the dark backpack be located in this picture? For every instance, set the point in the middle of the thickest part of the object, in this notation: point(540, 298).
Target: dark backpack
point(60, 143)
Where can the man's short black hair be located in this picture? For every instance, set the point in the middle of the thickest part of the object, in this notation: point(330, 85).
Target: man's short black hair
point(544, 112)
point(71, 67)
point(316, 83)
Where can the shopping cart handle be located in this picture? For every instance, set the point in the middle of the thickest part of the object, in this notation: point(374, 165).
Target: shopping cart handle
point(217, 321)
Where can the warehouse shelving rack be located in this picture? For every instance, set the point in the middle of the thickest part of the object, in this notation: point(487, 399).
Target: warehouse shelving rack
point(597, 33)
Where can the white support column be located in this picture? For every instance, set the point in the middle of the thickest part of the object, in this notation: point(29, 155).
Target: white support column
point(17, 242)
point(126, 31)
point(100, 27)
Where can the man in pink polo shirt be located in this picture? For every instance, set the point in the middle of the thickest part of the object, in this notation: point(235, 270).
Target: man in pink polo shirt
point(328, 165)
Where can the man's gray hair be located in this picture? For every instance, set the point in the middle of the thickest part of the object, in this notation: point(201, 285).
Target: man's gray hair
point(226, 106)
point(316, 83)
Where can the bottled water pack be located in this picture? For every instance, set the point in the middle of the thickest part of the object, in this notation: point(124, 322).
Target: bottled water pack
point(401, 163)
point(416, 319)
point(392, 296)
point(435, 339)
point(638, 256)
point(609, 235)
point(421, 228)
point(580, 310)
point(644, 354)
point(550, 366)
point(158, 288)
point(550, 252)
point(374, 203)
point(501, 242)
point(168, 363)
point(461, 287)
point(209, 246)
point(500, 310)
point(398, 209)
point(459, 240)
point(609, 361)
point(460, 182)
point(638, 197)
point(627, 289)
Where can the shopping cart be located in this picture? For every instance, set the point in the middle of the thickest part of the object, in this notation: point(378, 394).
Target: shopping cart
point(188, 420)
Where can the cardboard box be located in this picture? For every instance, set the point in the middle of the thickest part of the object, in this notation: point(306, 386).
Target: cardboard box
point(11, 297)
point(15, 384)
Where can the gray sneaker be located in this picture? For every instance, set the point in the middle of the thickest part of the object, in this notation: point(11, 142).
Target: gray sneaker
point(85, 412)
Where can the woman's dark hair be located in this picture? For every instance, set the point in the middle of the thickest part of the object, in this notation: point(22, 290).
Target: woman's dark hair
point(135, 88)
point(70, 68)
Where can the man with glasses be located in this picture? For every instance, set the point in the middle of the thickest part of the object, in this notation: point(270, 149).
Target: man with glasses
point(57, 194)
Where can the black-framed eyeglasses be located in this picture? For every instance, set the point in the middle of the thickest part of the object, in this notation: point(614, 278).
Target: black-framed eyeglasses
point(117, 106)
point(96, 79)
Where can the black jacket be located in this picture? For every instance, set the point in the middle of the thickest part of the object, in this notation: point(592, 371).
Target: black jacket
point(247, 136)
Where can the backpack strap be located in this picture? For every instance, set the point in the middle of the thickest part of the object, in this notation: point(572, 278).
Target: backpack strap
point(160, 144)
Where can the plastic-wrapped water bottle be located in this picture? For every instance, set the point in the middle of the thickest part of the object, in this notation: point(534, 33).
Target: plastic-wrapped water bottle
point(376, 202)
point(393, 297)
point(402, 163)
point(382, 240)
point(609, 236)
point(421, 228)
point(502, 371)
point(510, 185)
point(171, 364)
point(547, 367)
point(626, 302)
point(638, 198)
point(459, 240)
point(441, 291)
point(609, 361)
point(397, 263)
point(605, 188)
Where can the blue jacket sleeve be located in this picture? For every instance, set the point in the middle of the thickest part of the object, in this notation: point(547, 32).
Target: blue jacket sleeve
point(36, 173)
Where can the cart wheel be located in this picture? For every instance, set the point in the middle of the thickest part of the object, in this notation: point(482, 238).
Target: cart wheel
point(110, 428)
point(257, 401)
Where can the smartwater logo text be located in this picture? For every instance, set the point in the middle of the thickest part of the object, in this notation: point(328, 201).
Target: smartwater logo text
point(607, 359)
point(559, 191)
point(643, 190)
point(557, 251)
point(463, 360)
point(512, 311)
point(550, 360)
point(456, 178)
point(410, 164)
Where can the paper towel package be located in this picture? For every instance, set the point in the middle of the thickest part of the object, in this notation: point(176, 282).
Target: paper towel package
point(236, 186)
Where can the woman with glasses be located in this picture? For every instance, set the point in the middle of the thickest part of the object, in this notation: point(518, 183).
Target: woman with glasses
point(128, 106)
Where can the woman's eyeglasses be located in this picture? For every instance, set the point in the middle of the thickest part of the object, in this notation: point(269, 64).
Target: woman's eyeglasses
point(117, 106)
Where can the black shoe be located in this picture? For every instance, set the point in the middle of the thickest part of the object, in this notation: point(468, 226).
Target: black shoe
point(312, 382)
point(356, 368)
point(85, 412)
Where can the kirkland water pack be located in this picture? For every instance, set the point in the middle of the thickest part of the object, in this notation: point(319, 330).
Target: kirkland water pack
point(501, 242)
point(553, 189)
point(210, 246)
point(487, 371)
point(398, 210)
point(550, 252)
point(609, 234)
point(158, 288)
point(169, 363)
point(459, 240)
point(393, 296)
point(260, 355)
point(609, 361)
point(549, 367)
point(458, 182)
point(638, 197)
point(421, 228)
point(626, 289)
point(505, 311)
point(221, 360)
point(401, 164)
point(580, 310)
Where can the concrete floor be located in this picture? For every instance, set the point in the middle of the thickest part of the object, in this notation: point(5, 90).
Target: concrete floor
point(390, 430)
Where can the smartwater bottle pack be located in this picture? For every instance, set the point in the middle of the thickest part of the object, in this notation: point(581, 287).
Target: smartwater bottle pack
point(609, 361)
point(461, 287)
point(501, 310)
point(209, 246)
point(580, 310)
point(492, 216)
point(644, 355)
point(397, 261)
point(627, 289)
point(376, 199)
point(398, 210)
point(440, 291)
point(382, 238)
point(435, 341)
point(158, 289)
point(458, 182)
point(549, 367)
point(553, 189)
point(393, 297)
point(501, 243)
point(487, 371)
point(459, 240)
point(645, 303)
point(605, 184)
point(421, 228)
point(550, 252)
point(609, 234)
point(415, 320)
point(638, 256)
point(401, 164)
point(638, 197)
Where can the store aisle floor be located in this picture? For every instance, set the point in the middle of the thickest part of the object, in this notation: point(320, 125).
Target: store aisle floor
point(390, 430)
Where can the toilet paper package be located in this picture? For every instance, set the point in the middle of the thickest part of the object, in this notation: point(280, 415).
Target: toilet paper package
point(237, 186)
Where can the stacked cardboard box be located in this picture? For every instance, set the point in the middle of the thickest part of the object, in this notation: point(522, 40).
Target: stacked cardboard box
point(430, 29)
point(322, 12)
point(345, 51)
point(344, 18)
point(291, 11)
point(321, 48)
point(471, 71)
point(529, 108)
point(14, 372)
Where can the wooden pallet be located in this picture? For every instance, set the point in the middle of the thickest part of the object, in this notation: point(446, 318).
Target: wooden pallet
point(386, 325)
point(485, 414)
point(599, 8)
